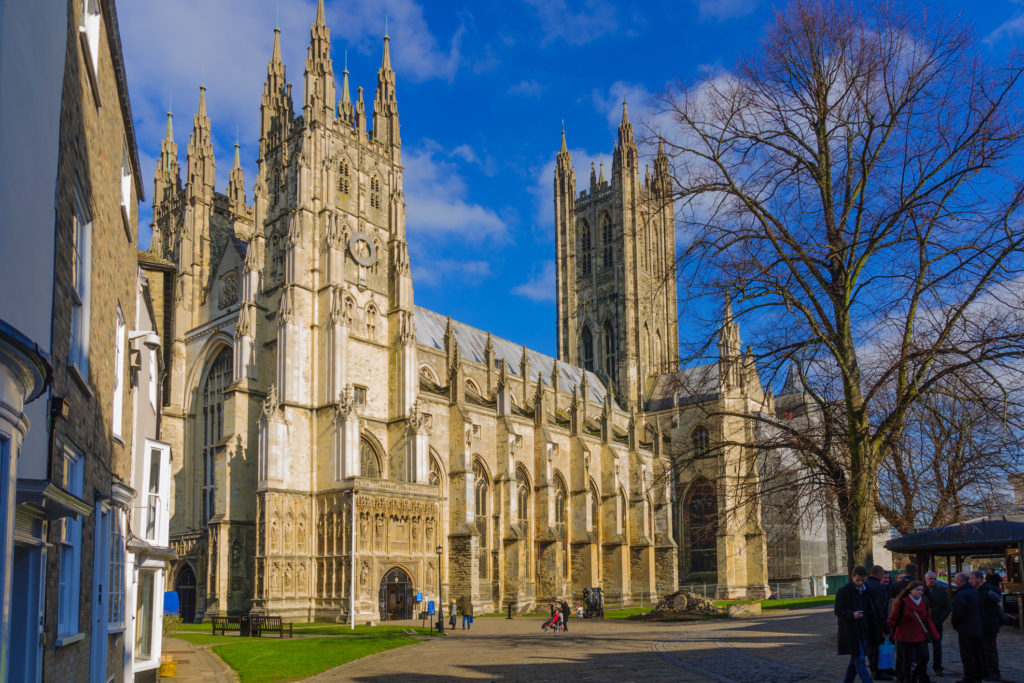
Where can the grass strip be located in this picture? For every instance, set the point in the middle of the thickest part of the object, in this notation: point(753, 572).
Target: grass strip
point(268, 661)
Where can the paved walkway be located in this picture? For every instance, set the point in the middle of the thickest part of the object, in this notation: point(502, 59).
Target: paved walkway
point(196, 662)
point(779, 647)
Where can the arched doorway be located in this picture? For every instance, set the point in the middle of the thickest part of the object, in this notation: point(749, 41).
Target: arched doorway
point(702, 520)
point(396, 595)
point(185, 586)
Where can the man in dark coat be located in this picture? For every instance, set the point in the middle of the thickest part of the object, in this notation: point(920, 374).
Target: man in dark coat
point(857, 628)
point(879, 594)
point(564, 607)
point(992, 618)
point(909, 574)
point(937, 594)
point(966, 619)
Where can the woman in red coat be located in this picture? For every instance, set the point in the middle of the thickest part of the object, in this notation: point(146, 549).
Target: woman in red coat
point(911, 621)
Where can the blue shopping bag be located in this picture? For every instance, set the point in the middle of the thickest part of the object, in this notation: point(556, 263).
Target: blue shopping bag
point(886, 655)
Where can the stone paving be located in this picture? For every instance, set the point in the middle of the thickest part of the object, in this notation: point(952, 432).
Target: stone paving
point(778, 647)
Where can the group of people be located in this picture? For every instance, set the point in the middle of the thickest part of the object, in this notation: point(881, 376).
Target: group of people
point(465, 607)
point(559, 620)
point(911, 613)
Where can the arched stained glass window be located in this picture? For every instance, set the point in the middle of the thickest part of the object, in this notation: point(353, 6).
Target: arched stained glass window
point(702, 524)
point(701, 441)
point(369, 461)
point(211, 399)
point(587, 349)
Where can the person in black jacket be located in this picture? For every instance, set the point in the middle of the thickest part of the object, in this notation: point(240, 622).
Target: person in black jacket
point(967, 622)
point(879, 594)
point(909, 575)
point(992, 618)
point(857, 627)
point(937, 593)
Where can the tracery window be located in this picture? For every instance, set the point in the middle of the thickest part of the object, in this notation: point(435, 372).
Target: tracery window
point(701, 441)
point(212, 411)
point(523, 497)
point(481, 505)
point(435, 472)
point(343, 177)
point(595, 509)
point(585, 246)
point(371, 322)
point(560, 501)
point(587, 349)
point(622, 512)
point(606, 239)
point(375, 192)
point(369, 461)
point(702, 523)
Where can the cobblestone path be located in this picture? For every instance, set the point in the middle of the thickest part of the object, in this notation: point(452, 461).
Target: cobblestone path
point(779, 647)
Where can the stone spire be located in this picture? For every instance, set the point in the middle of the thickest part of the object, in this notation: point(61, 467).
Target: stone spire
point(199, 169)
point(593, 177)
point(345, 106)
point(236, 184)
point(319, 79)
point(600, 178)
point(167, 179)
point(625, 155)
point(729, 347)
point(360, 112)
point(385, 106)
point(276, 105)
point(662, 179)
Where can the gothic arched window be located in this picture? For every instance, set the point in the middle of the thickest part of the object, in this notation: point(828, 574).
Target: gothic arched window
point(587, 349)
point(701, 439)
point(523, 497)
point(585, 246)
point(369, 461)
point(211, 398)
point(609, 351)
point(560, 501)
point(343, 177)
point(595, 509)
point(702, 522)
point(435, 472)
point(371, 322)
point(375, 192)
point(606, 240)
point(622, 512)
point(481, 493)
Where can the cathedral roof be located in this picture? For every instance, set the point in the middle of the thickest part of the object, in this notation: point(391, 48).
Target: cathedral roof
point(430, 330)
point(691, 385)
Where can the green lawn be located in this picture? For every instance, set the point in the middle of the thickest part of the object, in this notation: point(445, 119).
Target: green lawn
point(267, 661)
point(792, 603)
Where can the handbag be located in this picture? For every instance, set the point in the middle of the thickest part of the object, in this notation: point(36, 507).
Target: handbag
point(887, 655)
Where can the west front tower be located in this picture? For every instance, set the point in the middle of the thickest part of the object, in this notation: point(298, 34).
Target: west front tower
point(615, 255)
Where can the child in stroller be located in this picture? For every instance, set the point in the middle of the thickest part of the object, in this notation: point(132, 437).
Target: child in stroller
point(555, 622)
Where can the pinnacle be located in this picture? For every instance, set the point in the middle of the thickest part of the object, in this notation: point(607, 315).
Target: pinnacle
point(564, 149)
point(276, 56)
point(661, 148)
point(202, 100)
point(170, 128)
point(238, 163)
point(625, 113)
point(319, 21)
point(386, 63)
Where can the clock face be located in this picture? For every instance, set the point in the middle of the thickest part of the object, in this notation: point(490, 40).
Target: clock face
point(362, 249)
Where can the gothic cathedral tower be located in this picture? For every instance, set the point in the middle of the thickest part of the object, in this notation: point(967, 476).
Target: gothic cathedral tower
point(615, 253)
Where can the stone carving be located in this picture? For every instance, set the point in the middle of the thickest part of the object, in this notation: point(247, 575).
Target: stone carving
point(364, 576)
point(270, 403)
point(379, 532)
point(228, 289)
point(242, 326)
point(364, 530)
point(430, 574)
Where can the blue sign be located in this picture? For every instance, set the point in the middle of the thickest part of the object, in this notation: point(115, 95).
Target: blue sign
point(419, 597)
point(430, 607)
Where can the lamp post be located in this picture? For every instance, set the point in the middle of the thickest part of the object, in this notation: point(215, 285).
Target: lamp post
point(440, 603)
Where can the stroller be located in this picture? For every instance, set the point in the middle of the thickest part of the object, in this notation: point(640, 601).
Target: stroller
point(555, 622)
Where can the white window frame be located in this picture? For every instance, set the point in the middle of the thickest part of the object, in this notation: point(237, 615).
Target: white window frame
point(145, 607)
point(69, 587)
point(154, 379)
point(116, 581)
point(126, 181)
point(81, 291)
point(156, 504)
point(117, 414)
point(91, 22)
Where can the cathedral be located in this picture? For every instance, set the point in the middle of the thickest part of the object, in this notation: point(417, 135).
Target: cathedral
point(341, 452)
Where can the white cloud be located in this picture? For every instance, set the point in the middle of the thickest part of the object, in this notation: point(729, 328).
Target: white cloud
point(435, 192)
point(594, 18)
point(721, 10)
point(540, 286)
point(527, 88)
point(431, 272)
point(1007, 29)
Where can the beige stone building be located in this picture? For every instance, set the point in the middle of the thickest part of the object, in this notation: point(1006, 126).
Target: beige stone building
point(334, 436)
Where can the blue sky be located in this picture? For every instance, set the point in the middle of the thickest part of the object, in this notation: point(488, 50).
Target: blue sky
point(482, 89)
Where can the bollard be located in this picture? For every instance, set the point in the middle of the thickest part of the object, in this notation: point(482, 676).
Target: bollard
point(509, 611)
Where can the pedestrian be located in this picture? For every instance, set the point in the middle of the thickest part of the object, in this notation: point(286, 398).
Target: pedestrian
point(467, 613)
point(912, 628)
point(879, 595)
point(937, 593)
point(966, 619)
point(854, 610)
point(909, 574)
point(565, 615)
point(992, 619)
point(451, 615)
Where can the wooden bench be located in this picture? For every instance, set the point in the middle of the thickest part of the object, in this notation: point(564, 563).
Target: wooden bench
point(225, 624)
point(267, 624)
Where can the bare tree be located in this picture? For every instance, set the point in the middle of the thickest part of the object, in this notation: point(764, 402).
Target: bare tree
point(849, 186)
point(959, 443)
